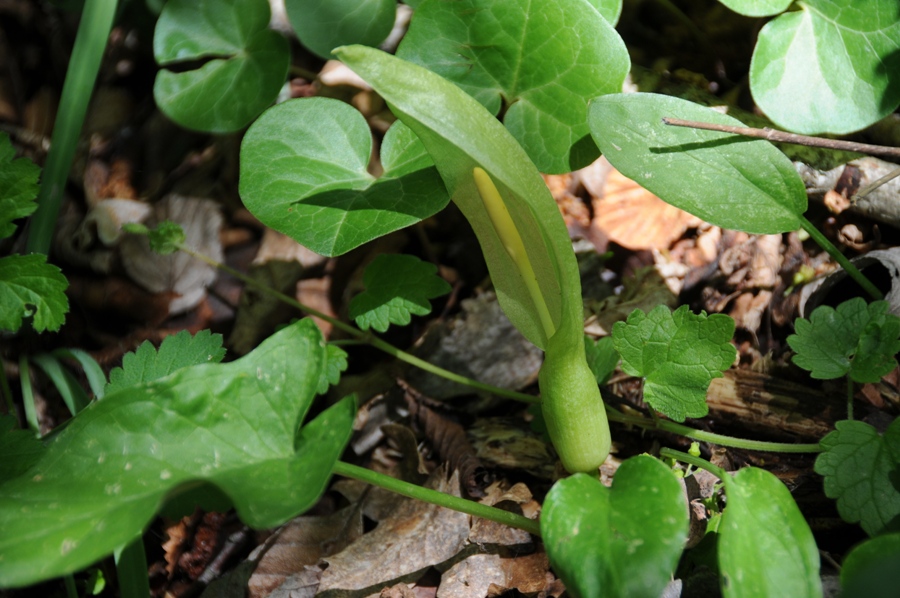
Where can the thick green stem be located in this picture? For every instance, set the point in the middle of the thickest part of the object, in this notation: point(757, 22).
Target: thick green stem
point(437, 498)
point(695, 461)
point(854, 273)
point(720, 439)
point(849, 398)
point(90, 42)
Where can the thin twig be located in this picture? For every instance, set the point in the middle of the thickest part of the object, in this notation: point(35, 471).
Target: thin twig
point(783, 137)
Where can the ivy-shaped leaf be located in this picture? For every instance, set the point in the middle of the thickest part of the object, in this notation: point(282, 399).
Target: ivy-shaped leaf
point(99, 481)
point(18, 187)
point(602, 357)
point(678, 354)
point(829, 67)
point(397, 286)
point(30, 287)
point(175, 352)
point(598, 539)
point(304, 173)
point(537, 63)
point(323, 25)
point(335, 364)
point(246, 68)
point(757, 8)
point(856, 339)
point(726, 180)
point(861, 469)
point(765, 546)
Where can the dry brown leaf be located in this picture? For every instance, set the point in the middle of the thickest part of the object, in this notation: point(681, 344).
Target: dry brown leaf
point(480, 343)
point(299, 546)
point(415, 537)
point(178, 272)
point(635, 218)
point(483, 575)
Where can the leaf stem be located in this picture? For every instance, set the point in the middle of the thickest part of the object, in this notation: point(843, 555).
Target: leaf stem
point(131, 569)
point(720, 439)
point(695, 461)
point(643, 422)
point(87, 53)
point(849, 398)
point(366, 337)
point(784, 137)
point(854, 273)
point(437, 498)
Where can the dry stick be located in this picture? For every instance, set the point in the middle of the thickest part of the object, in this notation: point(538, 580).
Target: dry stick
point(781, 136)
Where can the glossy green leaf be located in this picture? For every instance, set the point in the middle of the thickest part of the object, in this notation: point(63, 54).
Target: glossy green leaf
point(537, 63)
point(30, 287)
point(727, 180)
point(246, 62)
point(100, 479)
point(678, 354)
point(602, 357)
point(323, 25)
point(765, 545)
point(757, 8)
point(832, 66)
point(610, 10)
point(18, 187)
point(147, 363)
point(860, 468)
point(461, 135)
point(618, 541)
point(872, 569)
point(397, 287)
point(858, 339)
point(303, 173)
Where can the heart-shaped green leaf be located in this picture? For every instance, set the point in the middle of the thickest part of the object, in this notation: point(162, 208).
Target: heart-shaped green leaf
point(757, 8)
point(247, 62)
point(537, 63)
point(829, 67)
point(725, 179)
point(461, 135)
point(93, 486)
point(303, 173)
point(765, 545)
point(323, 25)
point(619, 541)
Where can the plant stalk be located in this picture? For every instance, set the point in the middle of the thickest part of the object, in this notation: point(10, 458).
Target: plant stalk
point(437, 498)
point(131, 569)
point(90, 42)
point(695, 461)
point(854, 273)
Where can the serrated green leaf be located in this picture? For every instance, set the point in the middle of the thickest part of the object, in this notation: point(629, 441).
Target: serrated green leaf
point(860, 469)
point(30, 287)
point(598, 539)
point(99, 481)
point(18, 187)
point(397, 287)
point(872, 569)
point(335, 364)
point(303, 173)
point(857, 338)
point(538, 63)
point(765, 546)
point(602, 357)
point(246, 68)
point(727, 180)
point(829, 67)
point(147, 364)
point(323, 25)
point(678, 354)
point(757, 8)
